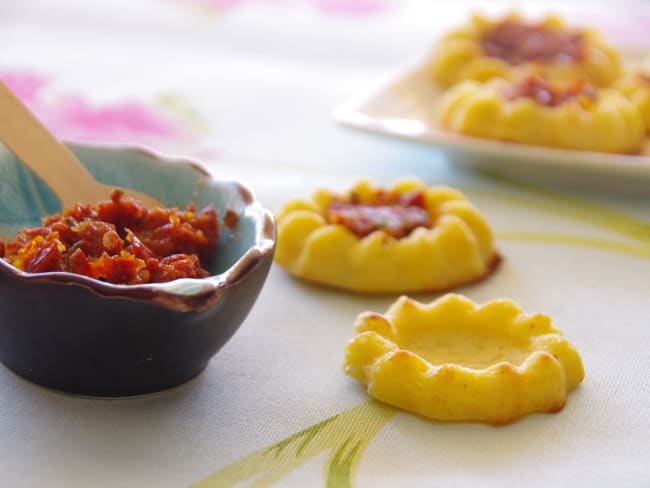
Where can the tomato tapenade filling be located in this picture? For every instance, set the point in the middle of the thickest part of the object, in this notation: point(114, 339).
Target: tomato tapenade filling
point(395, 214)
point(119, 241)
point(544, 93)
point(517, 43)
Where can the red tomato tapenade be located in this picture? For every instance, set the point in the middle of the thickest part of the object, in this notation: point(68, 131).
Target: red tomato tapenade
point(395, 214)
point(518, 42)
point(119, 241)
point(544, 93)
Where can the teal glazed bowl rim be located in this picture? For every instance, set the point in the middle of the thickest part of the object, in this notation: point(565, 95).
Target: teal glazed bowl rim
point(83, 336)
point(184, 294)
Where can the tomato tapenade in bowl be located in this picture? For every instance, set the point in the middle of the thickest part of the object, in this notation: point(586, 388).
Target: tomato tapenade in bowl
point(111, 298)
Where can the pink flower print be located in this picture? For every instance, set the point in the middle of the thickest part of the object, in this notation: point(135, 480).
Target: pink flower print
point(217, 4)
point(622, 29)
point(26, 86)
point(328, 7)
point(351, 7)
point(71, 118)
point(74, 119)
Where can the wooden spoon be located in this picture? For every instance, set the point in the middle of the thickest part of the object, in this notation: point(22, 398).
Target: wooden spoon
point(49, 159)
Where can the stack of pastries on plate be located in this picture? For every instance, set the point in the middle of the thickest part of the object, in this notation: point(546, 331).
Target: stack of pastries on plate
point(540, 83)
point(453, 359)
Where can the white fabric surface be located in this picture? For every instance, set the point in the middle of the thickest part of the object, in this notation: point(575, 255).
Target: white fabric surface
point(248, 88)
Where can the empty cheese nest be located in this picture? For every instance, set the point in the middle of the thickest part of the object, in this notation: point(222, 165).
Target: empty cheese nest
point(455, 360)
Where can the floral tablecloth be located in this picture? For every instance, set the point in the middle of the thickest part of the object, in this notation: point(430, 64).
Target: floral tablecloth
point(248, 87)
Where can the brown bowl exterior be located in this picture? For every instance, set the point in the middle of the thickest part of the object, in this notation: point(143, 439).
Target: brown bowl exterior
point(68, 338)
point(83, 336)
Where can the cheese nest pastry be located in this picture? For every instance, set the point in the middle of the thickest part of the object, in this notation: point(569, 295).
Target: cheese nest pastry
point(537, 111)
point(635, 85)
point(454, 360)
point(407, 237)
point(506, 47)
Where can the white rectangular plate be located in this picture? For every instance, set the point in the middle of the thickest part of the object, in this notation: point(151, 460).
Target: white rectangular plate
point(402, 104)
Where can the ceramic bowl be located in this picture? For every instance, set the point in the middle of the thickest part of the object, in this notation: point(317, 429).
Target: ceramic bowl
point(84, 336)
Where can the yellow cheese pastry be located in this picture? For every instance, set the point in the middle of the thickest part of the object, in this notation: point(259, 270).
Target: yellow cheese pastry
point(506, 47)
point(536, 110)
point(455, 360)
point(635, 85)
point(407, 237)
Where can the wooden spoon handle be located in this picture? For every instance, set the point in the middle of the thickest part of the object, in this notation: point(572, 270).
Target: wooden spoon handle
point(41, 152)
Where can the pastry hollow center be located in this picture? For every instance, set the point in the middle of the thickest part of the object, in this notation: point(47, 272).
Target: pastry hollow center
point(474, 350)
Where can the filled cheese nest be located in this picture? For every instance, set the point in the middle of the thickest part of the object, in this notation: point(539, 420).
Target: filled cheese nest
point(509, 46)
point(547, 112)
point(454, 360)
point(406, 237)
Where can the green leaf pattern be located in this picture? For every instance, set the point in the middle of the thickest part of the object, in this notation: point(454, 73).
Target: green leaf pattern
point(345, 436)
